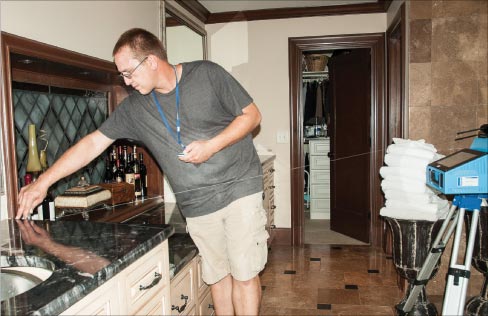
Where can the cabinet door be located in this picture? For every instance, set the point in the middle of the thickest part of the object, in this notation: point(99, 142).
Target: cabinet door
point(206, 305)
point(183, 290)
point(103, 301)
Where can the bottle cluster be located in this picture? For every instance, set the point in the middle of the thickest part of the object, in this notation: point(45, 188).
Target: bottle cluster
point(124, 165)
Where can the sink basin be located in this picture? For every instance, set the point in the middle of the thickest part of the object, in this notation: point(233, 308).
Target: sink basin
point(17, 280)
point(26, 273)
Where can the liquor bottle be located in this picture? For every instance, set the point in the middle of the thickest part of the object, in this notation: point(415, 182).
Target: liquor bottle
point(119, 174)
point(143, 172)
point(129, 171)
point(113, 159)
point(137, 174)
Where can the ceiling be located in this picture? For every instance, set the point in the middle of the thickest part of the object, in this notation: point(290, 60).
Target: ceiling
point(218, 6)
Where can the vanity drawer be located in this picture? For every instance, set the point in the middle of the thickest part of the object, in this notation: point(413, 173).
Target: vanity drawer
point(206, 305)
point(146, 280)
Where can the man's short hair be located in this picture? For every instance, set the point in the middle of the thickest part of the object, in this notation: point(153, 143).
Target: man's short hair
point(142, 43)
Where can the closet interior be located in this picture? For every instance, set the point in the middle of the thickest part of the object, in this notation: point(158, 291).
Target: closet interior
point(316, 100)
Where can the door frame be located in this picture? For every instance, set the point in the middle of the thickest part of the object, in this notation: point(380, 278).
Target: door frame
point(296, 46)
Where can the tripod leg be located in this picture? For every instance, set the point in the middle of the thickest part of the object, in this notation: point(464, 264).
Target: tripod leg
point(432, 258)
point(458, 275)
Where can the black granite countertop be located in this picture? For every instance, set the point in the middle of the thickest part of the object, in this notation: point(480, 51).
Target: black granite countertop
point(181, 247)
point(104, 250)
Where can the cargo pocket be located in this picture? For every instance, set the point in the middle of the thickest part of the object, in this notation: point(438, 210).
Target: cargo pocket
point(261, 241)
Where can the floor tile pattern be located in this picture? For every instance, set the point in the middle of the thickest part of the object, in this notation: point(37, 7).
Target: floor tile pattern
point(328, 280)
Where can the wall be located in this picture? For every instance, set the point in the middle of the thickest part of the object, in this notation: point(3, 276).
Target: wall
point(448, 86)
point(256, 53)
point(448, 70)
point(88, 27)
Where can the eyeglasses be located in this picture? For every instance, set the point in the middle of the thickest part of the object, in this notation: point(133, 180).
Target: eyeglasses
point(128, 74)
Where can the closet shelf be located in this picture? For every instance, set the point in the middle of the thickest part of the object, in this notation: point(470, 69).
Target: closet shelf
point(315, 74)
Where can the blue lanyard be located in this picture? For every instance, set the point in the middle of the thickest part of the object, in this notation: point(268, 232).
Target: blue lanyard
point(176, 136)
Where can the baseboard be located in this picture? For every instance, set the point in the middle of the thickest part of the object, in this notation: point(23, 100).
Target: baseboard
point(281, 236)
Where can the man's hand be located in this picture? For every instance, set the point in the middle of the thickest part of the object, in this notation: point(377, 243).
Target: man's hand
point(32, 234)
point(198, 152)
point(29, 197)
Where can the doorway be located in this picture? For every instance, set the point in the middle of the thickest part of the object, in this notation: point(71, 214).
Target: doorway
point(374, 43)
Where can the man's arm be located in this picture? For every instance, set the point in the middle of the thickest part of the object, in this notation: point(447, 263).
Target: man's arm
point(78, 156)
point(201, 150)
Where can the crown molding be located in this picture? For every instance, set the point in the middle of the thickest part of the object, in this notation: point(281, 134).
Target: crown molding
point(201, 13)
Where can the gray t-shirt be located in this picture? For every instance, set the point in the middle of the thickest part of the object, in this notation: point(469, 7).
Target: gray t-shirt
point(210, 99)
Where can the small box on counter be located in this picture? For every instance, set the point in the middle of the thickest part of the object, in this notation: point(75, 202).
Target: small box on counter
point(82, 197)
point(122, 192)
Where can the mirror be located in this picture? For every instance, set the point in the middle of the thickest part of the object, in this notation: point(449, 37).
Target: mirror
point(183, 36)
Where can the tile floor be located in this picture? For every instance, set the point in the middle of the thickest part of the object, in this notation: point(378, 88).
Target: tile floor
point(328, 280)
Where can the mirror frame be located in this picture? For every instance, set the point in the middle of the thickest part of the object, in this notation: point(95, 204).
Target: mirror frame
point(184, 17)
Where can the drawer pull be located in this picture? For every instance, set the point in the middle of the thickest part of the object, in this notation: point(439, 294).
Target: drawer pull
point(271, 170)
point(211, 306)
point(157, 278)
point(273, 207)
point(182, 308)
point(271, 187)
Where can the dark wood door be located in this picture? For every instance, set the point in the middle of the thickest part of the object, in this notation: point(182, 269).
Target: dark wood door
point(350, 143)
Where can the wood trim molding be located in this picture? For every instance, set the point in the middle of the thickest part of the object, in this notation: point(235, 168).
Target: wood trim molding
point(375, 42)
point(201, 13)
point(19, 45)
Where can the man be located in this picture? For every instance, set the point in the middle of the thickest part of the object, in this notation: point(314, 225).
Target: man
point(196, 120)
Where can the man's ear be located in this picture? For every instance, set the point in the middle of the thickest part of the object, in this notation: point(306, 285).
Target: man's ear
point(152, 61)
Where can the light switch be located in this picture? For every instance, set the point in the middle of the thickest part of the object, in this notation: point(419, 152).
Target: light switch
point(282, 137)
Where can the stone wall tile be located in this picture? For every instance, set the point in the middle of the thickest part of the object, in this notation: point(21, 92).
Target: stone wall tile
point(454, 84)
point(420, 10)
point(455, 8)
point(455, 38)
point(420, 89)
point(419, 123)
point(420, 41)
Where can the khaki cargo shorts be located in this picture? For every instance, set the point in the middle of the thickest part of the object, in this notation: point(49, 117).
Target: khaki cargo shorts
point(232, 240)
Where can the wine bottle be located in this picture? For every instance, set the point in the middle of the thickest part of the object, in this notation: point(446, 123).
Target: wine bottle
point(109, 174)
point(47, 208)
point(143, 175)
point(119, 174)
point(137, 174)
point(125, 162)
point(129, 171)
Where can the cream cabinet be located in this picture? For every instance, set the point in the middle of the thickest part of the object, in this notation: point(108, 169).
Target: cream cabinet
point(268, 196)
point(140, 289)
point(319, 178)
point(189, 294)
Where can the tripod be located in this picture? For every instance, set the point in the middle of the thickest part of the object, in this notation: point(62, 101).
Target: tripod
point(458, 274)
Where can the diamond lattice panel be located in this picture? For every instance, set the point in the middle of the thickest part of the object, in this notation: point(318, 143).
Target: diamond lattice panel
point(65, 120)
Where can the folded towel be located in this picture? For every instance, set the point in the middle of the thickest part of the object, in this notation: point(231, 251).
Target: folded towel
point(408, 173)
point(413, 186)
point(414, 144)
point(409, 214)
point(421, 207)
point(408, 197)
point(404, 160)
point(412, 151)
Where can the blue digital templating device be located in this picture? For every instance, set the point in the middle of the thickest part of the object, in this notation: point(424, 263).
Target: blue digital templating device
point(464, 172)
